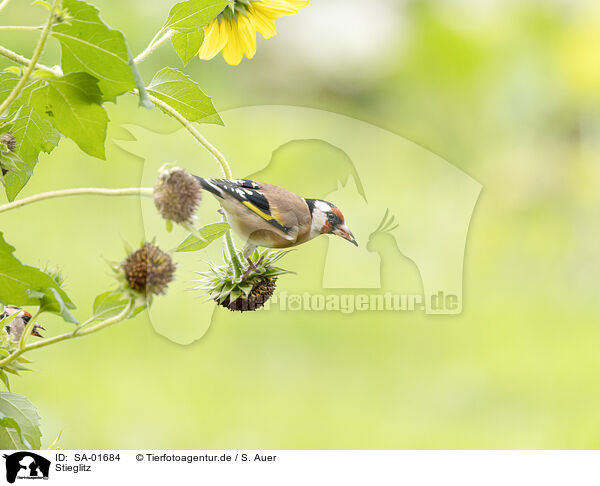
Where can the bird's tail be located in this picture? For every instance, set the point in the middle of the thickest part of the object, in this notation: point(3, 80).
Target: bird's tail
point(210, 186)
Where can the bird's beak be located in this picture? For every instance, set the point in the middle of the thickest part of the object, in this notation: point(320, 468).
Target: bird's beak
point(345, 233)
point(35, 331)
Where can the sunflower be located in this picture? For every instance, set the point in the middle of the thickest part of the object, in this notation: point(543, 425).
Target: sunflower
point(234, 30)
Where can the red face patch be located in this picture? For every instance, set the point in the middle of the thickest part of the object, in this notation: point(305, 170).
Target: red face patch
point(26, 313)
point(326, 227)
point(338, 213)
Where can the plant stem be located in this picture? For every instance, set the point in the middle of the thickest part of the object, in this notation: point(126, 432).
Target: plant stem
point(154, 44)
point(217, 155)
point(124, 314)
point(3, 4)
point(79, 191)
point(13, 56)
point(34, 59)
point(27, 330)
point(238, 266)
point(195, 133)
point(20, 27)
point(84, 331)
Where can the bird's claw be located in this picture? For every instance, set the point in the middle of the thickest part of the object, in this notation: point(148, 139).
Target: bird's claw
point(251, 266)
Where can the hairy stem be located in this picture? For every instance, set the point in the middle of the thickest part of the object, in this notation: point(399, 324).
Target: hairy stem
point(27, 330)
point(154, 44)
point(216, 154)
point(238, 266)
point(21, 27)
point(79, 191)
point(34, 59)
point(195, 133)
point(80, 331)
point(13, 56)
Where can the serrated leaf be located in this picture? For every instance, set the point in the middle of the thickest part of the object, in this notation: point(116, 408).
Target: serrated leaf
point(71, 103)
point(4, 379)
point(192, 15)
point(7, 424)
point(8, 81)
point(33, 135)
point(187, 45)
point(19, 409)
point(109, 304)
point(89, 45)
point(52, 301)
point(17, 279)
point(184, 95)
point(204, 237)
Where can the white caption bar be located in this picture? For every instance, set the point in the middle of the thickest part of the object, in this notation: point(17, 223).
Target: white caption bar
point(303, 467)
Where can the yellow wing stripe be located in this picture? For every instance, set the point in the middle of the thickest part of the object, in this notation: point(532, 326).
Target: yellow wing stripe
point(262, 214)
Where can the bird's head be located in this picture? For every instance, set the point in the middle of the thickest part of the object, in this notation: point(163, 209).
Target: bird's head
point(328, 219)
point(36, 330)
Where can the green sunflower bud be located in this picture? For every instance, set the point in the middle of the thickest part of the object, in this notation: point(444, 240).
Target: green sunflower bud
point(177, 195)
point(248, 292)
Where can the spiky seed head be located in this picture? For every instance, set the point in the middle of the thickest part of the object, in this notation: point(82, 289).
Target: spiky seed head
point(260, 293)
point(177, 195)
point(149, 270)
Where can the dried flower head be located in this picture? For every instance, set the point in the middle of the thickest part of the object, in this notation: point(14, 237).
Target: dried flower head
point(177, 195)
point(9, 140)
point(149, 270)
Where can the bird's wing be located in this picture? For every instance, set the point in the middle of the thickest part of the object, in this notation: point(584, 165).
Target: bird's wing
point(249, 194)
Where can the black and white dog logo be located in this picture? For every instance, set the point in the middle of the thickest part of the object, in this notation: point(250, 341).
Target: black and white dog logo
point(26, 465)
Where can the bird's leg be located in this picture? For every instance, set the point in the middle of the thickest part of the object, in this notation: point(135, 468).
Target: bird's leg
point(248, 250)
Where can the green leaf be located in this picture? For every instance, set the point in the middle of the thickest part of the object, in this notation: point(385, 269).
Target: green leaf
point(89, 45)
point(4, 378)
point(109, 304)
point(51, 301)
point(7, 424)
point(20, 423)
point(187, 45)
point(34, 135)
point(17, 279)
point(71, 103)
point(7, 82)
point(184, 95)
point(203, 237)
point(192, 15)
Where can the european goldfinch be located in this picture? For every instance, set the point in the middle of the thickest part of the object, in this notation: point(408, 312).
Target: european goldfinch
point(17, 326)
point(267, 215)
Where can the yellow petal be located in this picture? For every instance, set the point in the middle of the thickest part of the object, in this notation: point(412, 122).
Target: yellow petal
point(272, 9)
point(263, 24)
point(232, 52)
point(297, 4)
point(215, 38)
point(247, 35)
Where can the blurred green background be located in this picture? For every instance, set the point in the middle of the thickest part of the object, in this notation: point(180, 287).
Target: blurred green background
point(509, 92)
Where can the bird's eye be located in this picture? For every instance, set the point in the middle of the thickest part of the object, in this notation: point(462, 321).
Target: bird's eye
point(331, 217)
